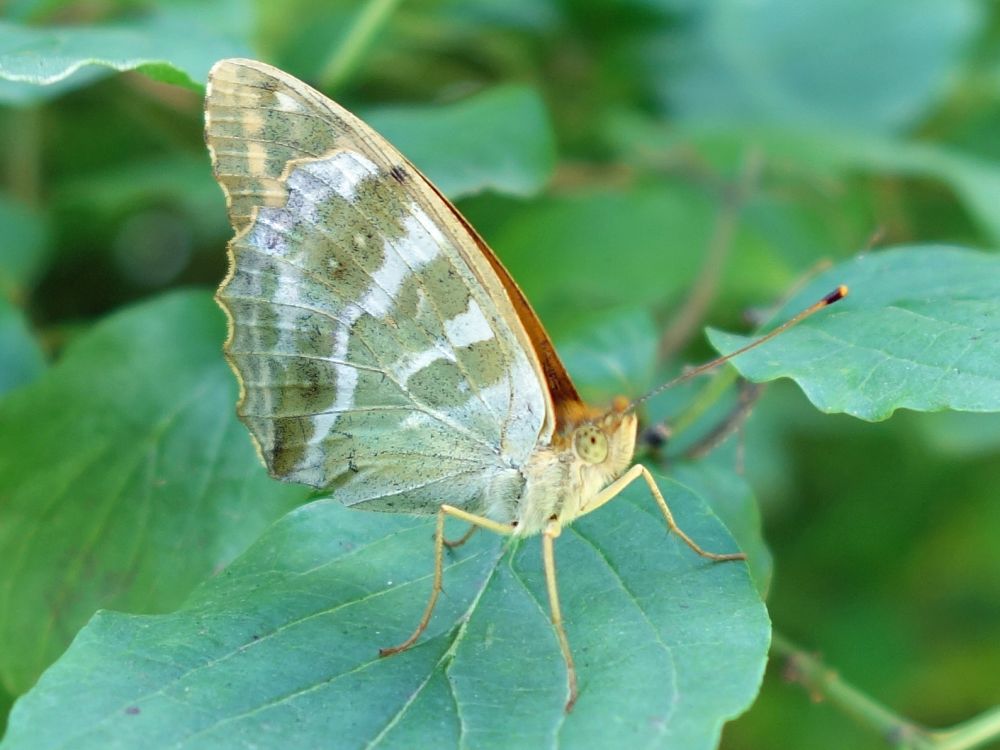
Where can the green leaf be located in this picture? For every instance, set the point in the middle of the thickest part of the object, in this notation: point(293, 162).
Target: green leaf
point(25, 248)
point(857, 64)
point(920, 330)
point(177, 44)
point(960, 434)
point(607, 245)
point(732, 499)
point(498, 140)
point(281, 648)
point(20, 353)
point(612, 354)
point(975, 181)
point(819, 154)
point(6, 701)
point(181, 182)
point(125, 478)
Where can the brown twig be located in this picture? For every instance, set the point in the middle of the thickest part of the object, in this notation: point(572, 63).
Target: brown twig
point(692, 312)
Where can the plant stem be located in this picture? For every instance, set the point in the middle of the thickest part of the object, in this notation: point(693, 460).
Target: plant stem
point(975, 732)
point(692, 312)
point(367, 23)
point(737, 417)
point(822, 682)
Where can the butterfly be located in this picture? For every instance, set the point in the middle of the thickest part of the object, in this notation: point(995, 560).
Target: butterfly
point(383, 352)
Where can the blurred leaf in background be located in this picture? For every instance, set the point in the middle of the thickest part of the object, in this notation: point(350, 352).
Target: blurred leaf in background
point(602, 148)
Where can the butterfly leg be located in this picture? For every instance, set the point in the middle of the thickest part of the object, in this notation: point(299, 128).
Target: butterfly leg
point(439, 543)
point(552, 530)
point(616, 487)
point(455, 544)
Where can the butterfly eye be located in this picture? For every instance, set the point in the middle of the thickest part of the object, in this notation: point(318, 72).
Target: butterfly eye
point(591, 444)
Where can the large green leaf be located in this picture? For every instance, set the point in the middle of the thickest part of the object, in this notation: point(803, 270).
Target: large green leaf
point(500, 139)
point(280, 650)
point(125, 479)
point(920, 330)
point(732, 499)
point(176, 44)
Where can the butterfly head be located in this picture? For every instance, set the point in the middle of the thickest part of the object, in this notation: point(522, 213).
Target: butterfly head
point(605, 438)
point(601, 442)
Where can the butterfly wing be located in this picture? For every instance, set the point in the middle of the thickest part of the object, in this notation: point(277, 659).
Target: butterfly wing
point(560, 385)
point(378, 350)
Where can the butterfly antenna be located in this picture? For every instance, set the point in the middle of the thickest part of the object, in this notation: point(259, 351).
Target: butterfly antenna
point(837, 294)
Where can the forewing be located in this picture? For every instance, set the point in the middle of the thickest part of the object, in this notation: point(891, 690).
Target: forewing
point(377, 354)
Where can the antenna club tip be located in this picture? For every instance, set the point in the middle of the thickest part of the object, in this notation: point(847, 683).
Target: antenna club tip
point(837, 294)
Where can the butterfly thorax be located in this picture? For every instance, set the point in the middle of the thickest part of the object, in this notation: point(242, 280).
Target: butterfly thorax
point(590, 450)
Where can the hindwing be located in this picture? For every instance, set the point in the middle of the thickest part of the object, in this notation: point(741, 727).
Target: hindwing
point(378, 351)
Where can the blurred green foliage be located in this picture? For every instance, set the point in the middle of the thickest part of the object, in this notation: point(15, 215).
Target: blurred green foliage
point(597, 143)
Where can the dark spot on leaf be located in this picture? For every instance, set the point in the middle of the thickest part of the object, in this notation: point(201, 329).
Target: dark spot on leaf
point(132, 710)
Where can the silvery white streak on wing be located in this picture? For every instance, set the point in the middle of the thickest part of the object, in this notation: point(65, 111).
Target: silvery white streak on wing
point(317, 180)
point(280, 224)
point(416, 420)
point(428, 226)
point(421, 240)
point(408, 366)
point(469, 327)
point(389, 278)
point(287, 103)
